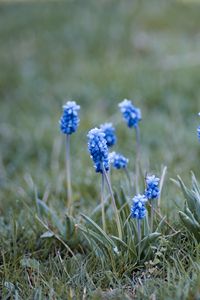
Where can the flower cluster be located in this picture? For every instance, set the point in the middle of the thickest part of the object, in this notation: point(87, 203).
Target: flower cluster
point(117, 160)
point(131, 114)
point(152, 187)
point(98, 149)
point(69, 121)
point(138, 209)
point(109, 132)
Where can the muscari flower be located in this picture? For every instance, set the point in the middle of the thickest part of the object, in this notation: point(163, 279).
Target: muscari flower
point(110, 135)
point(131, 114)
point(69, 121)
point(117, 160)
point(138, 209)
point(98, 149)
point(152, 187)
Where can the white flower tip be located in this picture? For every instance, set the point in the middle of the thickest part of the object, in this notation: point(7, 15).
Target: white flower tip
point(72, 105)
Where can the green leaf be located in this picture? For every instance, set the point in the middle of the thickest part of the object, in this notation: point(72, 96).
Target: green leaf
point(99, 246)
point(195, 184)
point(160, 225)
point(100, 231)
point(192, 198)
point(69, 228)
point(49, 213)
point(192, 226)
point(122, 244)
point(148, 240)
point(30, 263)
point(90, 238)
point(56, 236)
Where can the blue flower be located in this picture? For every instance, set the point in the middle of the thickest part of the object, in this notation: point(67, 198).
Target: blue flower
point(69, 121)
point(138, 209)
point(98, 149)
point(131, 114)
point(117, 160)
point(110, 135)
point(152, 187)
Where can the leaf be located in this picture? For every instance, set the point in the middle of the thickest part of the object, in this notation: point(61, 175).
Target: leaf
point(96, 213)
point(30, 263)
point(57, 237)
point(123, 244)
point(192, 226)
point(151, 238)
point(9, 285)
point(91, 237)
point(100, 231)
point(50, 213)
point(47, 234)
point(195, 184)
point(192, 198)
point(160, 224)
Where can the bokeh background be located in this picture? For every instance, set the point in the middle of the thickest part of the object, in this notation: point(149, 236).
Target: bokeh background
point(97, 53)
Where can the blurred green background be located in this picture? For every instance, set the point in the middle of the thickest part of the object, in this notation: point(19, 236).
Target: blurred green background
point(97, 53)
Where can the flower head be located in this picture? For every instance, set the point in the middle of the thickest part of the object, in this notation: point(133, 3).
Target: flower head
point(152, 187)
point(131, 114)
point(117, 160)
point(110, 135)
point(98, 149)
point(69, 121)
point(138, 209)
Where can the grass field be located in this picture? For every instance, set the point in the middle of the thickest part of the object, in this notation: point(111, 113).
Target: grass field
point(97, 53)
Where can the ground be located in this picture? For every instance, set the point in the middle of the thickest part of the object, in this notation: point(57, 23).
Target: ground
point(97, 53)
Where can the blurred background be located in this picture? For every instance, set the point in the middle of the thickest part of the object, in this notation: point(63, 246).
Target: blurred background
point(96, 53)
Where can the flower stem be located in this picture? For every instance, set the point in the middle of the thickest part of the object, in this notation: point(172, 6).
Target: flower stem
point(152, 214)
point(129, 179)
point(113, 203)
point(102, 203)
point(137, 164)
point(69, 186)
point(161, 186)
point(139, 236)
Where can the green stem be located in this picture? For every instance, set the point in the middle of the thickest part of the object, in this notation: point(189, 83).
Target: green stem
point(102, 204)
point(113, 203)
point(139, 237)
point(137, 164)
point(152, 214)
point(69, 186)
point(129, 179)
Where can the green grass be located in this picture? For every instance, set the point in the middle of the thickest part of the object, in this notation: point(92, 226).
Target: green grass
point(96, 52)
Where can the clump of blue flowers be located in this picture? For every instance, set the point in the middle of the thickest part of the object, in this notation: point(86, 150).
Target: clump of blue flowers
point(138, 209)
point(117, 160)
point(131, 114)
point(98, 149)
point(152, 187)
point(109, 132)
point(198, 131)
point(69, 121)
